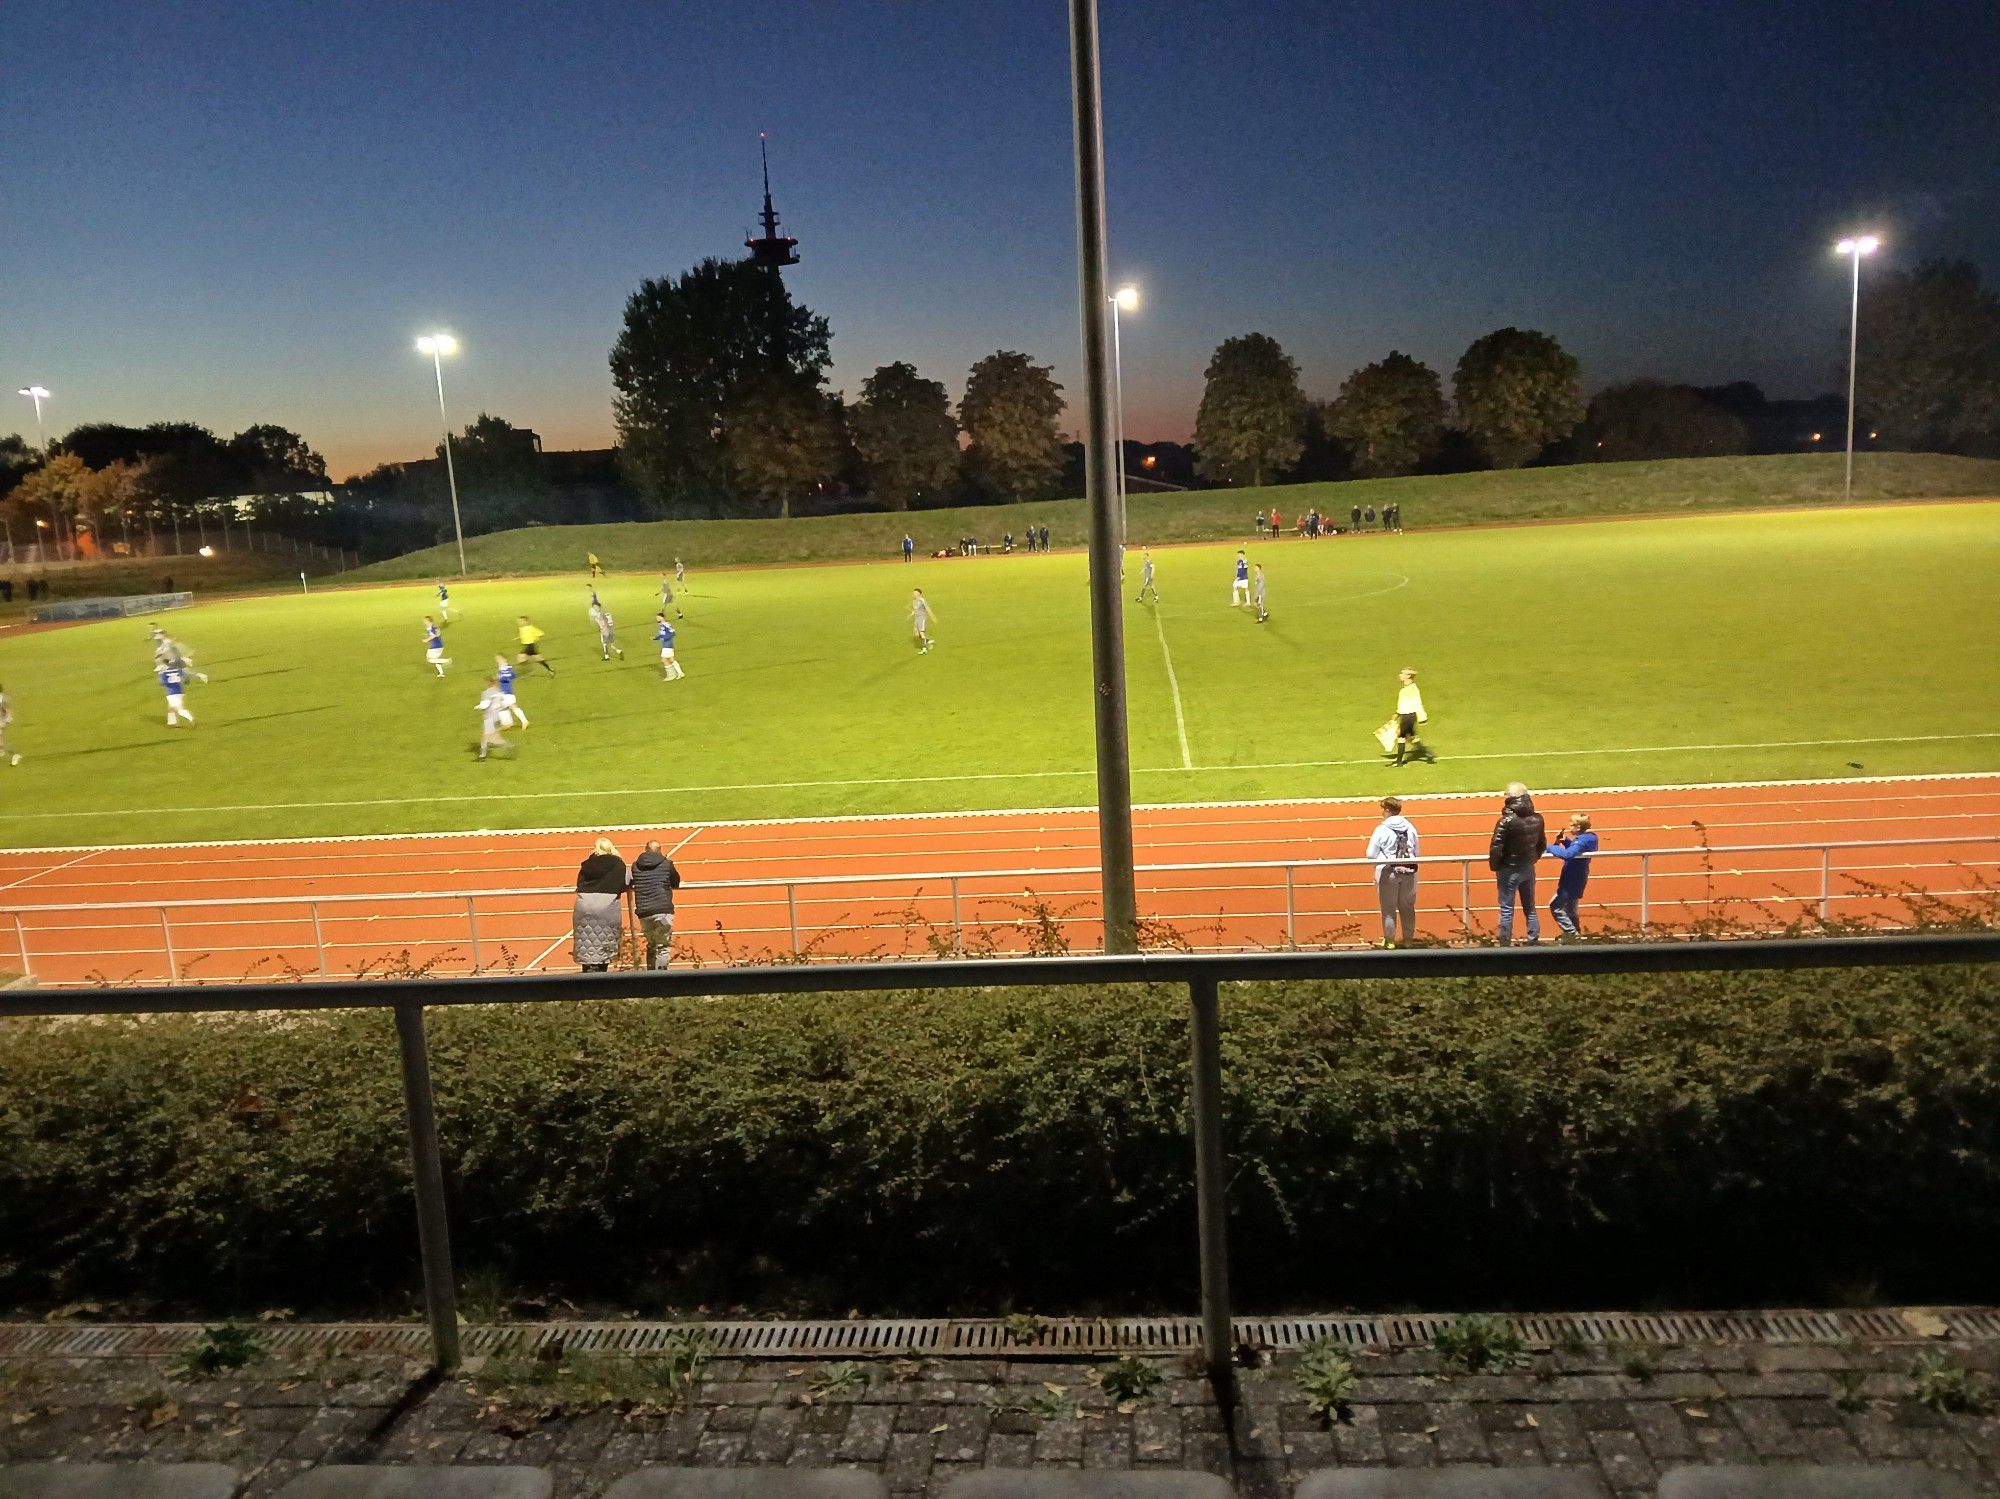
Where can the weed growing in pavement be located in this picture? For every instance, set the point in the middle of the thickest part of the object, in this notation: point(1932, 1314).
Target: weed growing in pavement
point(1326, 1378)
point(1129, 1378)
point(556, 1380)
point(1480, 1344)
point(217, 1350)
point(839, 1379)
point(1850, 1399)
point(1636, 1361)
point(1022, 1327)
point(1950, 1389)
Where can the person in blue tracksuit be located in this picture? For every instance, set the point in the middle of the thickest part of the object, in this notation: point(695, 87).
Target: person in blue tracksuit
point(1574, 846)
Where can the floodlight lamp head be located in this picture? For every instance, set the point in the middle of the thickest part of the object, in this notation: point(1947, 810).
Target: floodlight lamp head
point(1868, 244)
point(437, 343)
point(1127, 298)
point(34, 392)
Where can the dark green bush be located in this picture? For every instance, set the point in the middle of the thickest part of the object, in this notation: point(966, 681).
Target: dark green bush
point(1694, 1139)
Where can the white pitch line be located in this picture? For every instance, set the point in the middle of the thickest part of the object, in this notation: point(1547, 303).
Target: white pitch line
point(1173, 686)
point(962, 778)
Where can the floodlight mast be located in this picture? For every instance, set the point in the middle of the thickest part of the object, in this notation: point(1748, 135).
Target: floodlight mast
point(1854, 249)
point(437, 345)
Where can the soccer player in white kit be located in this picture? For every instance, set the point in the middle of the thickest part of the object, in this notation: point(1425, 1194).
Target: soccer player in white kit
point(493, 712)
point(1257, 595)
point(1146, 578)
point(434, 646)
point(920, 618)
point(1239, 592)
point(7, 722)
point(607, 635)
point(667, 593)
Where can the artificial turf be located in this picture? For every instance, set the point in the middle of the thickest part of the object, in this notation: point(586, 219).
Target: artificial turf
point(1823, 643)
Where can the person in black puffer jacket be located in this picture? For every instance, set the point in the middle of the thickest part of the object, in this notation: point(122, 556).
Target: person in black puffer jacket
point(1518, 841)
point(654, 881)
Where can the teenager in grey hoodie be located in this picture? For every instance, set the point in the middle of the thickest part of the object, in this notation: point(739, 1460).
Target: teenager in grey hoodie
point(1393, 847)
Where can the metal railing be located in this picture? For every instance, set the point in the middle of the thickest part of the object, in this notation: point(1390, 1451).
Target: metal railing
point(1203, 976)
point(1275, 902)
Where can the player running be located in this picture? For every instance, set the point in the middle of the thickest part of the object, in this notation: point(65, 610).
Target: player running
point(607, 635)
point(667, 593)
point(7, 722)
point(174, 680)
point(503, 678)
point(1239, 591)
point(920, 618)
point(670, 669)
point(444, 603)
point(492, 717)
point(680, 573)
point(1146, 578)
point(531, 649)
point(596, 567)
point(434, 646)
point(168, 651)
point(1257, 595)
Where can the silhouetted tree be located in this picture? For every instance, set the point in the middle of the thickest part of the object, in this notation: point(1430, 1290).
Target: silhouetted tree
point(783, 441)
point(1648, 419)
point(1249, 427)
point(1390, 413)
point(1009, 415)
point(1516, 393)
point(691, 348)
point(1929, 369)
point(500, 481)
point(906, 435)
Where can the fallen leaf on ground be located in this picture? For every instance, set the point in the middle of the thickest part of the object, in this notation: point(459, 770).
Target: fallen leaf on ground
point(1055, 1389)
point(1697, 1413)
point(941, 1426)
point(1925, 1323)
point(1531, 1419)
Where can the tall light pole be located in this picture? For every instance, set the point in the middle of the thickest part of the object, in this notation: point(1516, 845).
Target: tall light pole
point(1854, 249)
point(37, 394)
point(437, 345)
point(1107, 615)
point(1125, 299)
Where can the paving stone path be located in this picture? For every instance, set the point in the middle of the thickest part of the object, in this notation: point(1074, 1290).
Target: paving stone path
point(1624, 1415)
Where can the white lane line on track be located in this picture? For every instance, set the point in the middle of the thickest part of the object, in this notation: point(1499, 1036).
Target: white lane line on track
point(1174, 687)
point(967, 777)
point(52, 869)
point(962, 813)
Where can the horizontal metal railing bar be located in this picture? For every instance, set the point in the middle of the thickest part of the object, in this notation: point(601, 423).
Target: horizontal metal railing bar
point(763, 882)
point(1901, 949)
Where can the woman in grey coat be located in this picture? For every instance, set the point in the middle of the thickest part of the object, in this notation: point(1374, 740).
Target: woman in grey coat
point(598, 924)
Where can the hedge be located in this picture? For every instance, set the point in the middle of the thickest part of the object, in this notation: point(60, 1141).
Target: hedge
point(1695, 1139)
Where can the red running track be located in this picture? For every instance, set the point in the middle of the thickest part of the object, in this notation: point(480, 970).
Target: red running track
point(290, 908)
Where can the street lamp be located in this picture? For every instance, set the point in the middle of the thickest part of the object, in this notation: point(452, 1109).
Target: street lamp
point(1125, 299)
point(437, 345)
point(1854, 249)
point(37, 394)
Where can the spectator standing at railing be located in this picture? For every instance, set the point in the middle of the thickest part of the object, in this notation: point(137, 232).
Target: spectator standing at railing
point(654, 881)
point(597, 923)
point(1574, 846)
point(1393, 847)
point(1518, 841)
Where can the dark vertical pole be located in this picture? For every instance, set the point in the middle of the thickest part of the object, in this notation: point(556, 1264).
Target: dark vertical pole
point(1210, 1174)
point(1107, 618)
point(427, 1170)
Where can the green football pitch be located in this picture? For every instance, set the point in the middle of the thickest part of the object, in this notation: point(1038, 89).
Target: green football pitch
point(1724, 647)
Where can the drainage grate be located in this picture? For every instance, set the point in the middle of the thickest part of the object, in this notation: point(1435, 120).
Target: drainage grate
point(990, 1339)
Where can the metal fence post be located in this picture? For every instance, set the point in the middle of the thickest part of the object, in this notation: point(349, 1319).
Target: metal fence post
point(21, 941)
point(427, 1172)
point(792, 913)
point(167, 936)
point(957, 926)
point(1645, 892)
point(1465, 894)
point(1825, 881)
point(1210, 1174)
point(1291, 910)
point(319, 940)
point(472, 924)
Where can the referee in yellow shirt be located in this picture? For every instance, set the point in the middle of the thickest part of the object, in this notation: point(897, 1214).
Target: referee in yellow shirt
point(531, 649)
point(1410, 718)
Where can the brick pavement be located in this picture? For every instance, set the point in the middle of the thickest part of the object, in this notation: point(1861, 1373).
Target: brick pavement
point(919, 1423)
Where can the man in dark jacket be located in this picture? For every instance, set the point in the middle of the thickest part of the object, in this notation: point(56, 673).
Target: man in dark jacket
point(1518, 841)
point(654, 881)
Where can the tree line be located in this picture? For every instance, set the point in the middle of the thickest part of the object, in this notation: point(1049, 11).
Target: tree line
point(722, 408)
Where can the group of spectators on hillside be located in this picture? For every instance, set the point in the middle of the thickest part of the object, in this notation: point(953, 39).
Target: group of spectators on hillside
point(1310, 523)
